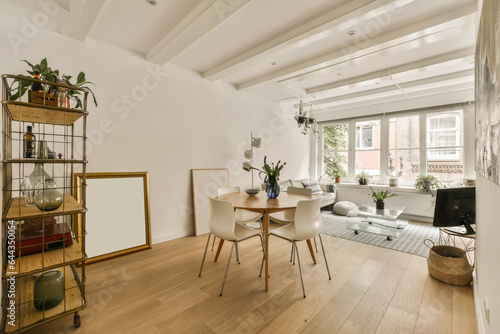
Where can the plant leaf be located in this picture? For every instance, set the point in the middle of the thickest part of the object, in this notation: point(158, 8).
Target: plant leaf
point(80, 78)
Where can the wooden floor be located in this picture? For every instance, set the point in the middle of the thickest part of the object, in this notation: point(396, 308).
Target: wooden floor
point(373, 290)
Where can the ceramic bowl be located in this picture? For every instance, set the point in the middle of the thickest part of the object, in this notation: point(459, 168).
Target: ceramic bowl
point(252, 192)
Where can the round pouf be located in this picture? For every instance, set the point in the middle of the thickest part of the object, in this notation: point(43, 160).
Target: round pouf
point(343, 207)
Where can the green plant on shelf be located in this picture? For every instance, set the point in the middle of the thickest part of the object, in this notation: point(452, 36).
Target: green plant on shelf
point(19, 86)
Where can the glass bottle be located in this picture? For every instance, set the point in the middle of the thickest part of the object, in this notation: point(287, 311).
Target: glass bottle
point(29, 144)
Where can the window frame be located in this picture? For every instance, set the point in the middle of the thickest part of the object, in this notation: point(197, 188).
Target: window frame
point(458, 128)
point(466, 139)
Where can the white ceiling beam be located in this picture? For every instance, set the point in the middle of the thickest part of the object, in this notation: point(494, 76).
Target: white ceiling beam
point(81, 18)
point(409, 31)
point(441, 99)
point(465, 88)
point(206, 16)
point(463, 55)
point(313, 29)
point(449, 80)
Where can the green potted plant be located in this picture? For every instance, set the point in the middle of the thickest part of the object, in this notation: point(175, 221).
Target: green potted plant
point(363, 178)
point(379, 197)
point(338, 172)
point(428, 184)
point(19, 86)
point(392, 172)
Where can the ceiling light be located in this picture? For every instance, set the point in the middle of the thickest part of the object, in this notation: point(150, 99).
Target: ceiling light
point(151, 2)
point(351, 32)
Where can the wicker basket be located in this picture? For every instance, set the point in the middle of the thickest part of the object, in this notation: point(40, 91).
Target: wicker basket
point(449, 265)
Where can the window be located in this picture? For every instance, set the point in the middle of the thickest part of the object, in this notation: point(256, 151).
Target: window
point(445, 145)
point(428, 142)
point(364, 135)
point(443, 133)
point(368, 148)
point(335, 148)
point(404, 142)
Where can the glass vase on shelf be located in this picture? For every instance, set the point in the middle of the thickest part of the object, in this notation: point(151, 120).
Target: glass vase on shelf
point(272, 187)
point(47, 197)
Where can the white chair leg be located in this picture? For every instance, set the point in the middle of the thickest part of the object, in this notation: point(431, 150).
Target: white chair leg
point(238, 254)
point(205, 254)
point(292, 257)
point(315, 244)
point(213, 244)
point(324, 255)
point(227, 268)
point(300, 268)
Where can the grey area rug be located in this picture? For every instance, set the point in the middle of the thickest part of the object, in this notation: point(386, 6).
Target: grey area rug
point(411, 240)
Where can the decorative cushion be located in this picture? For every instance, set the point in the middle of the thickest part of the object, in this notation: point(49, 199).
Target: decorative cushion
point(342, 208)
point(297, 184)
point(328, 188)
point(285, 184)
point(316, 189)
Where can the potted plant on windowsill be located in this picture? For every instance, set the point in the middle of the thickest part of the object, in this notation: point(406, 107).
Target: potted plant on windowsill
point(380, 196)
point(337, 173)
point(428, 184)
point(363, 178)
point(392, 172)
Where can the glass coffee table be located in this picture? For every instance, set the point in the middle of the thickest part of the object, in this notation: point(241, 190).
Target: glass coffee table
point(386, 222)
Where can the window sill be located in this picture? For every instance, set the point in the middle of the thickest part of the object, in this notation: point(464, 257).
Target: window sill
point(403, 189)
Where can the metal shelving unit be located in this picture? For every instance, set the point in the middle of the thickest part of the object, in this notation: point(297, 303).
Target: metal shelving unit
point(64, 130)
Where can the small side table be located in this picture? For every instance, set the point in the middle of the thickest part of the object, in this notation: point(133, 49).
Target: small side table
point(466, 241)
point(386, 222)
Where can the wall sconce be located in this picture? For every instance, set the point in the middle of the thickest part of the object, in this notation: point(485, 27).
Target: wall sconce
point(247, 165)
point(303, 121)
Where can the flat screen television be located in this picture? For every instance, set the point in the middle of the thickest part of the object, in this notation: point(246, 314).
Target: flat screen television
point(456, 207)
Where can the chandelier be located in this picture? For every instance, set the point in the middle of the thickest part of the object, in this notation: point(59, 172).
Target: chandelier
point(303, 121)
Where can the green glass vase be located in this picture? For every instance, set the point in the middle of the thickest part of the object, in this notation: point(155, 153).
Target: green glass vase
point(48, 290)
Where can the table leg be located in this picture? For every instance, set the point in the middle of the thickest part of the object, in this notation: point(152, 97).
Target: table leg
point(221, 242)
point(265, 222)
point(309, 244)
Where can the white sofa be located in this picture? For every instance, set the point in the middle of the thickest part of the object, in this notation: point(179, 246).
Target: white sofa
point(325, 190)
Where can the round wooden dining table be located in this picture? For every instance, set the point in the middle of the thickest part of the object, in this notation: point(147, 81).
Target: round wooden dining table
point(264, 205)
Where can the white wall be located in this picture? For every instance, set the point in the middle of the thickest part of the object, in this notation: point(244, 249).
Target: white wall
point(173, 121)
point(487, 253)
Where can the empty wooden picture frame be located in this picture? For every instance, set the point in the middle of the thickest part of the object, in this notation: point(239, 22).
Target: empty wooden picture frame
point(117, 221)
point(206, 182)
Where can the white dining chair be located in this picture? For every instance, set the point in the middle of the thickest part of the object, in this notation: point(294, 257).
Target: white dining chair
point(242, 216)
point(307, 225)
point(288, 216)
point(222, 224)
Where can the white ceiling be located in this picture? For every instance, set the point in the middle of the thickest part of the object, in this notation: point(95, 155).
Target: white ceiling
point(285, 50)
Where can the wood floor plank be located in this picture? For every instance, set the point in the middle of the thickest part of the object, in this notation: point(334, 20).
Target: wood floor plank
point(435, 315)
point(372, 307)
point(159, 291)
point(408, 296)
point(354, 328)
point(463, 308)
point(332, 317)
point(397, 322)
